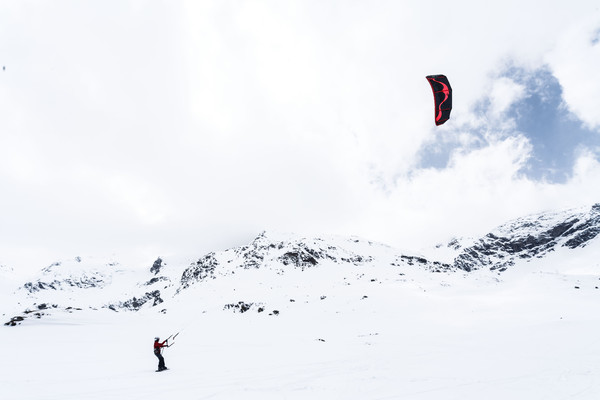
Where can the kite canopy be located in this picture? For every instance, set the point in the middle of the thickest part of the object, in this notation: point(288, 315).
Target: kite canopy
point(442, 96)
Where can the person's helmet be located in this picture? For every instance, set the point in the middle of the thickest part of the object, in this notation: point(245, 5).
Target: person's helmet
point(156, 339)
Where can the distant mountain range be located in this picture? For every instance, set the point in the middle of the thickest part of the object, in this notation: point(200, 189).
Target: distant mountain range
point(98, 284)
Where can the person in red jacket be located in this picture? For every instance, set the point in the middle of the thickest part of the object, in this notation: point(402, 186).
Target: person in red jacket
point(157, 349)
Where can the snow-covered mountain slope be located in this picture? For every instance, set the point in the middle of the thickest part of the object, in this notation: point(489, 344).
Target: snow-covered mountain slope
point(91, 283)
point(321, 318)
point(276, 260)
point(238, 276)
point(530, 237)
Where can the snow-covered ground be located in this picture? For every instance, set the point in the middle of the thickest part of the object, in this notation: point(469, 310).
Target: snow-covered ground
point(372, 332)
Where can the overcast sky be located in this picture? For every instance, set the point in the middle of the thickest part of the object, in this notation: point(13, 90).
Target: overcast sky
point(164, 127)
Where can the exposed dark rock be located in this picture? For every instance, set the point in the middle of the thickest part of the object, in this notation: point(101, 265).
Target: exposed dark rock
point(14, 321)
point(51, 267)
point(434, 266)
point(45, 306)
point(454, 244)
point(199, 271)
point(155, 280)
point(586, 231)
point(157, 266)
point(299, 254)
point(135, 303)
point(252, 257)
point(301, 257)
point(84, 282)
point(243, 307)
point(357, 259)
point(528, 238)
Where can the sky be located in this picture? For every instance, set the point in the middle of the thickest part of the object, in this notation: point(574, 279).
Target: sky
point(153, 128)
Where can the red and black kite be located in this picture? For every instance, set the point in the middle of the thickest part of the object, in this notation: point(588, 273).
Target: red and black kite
point(442, 96)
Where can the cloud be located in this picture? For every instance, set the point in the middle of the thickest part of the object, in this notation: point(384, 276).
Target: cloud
point(574, 61)
point(194, 125)
point(434, 202)
point(504, 93)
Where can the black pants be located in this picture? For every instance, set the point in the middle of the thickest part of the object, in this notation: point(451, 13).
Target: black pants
point(161, 360)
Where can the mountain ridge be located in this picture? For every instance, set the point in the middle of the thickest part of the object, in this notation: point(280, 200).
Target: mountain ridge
point(95, 284)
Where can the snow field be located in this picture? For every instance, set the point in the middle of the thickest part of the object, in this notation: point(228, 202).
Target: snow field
point(420, 335)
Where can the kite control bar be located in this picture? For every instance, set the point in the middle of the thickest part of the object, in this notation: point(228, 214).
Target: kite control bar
point(172, 336)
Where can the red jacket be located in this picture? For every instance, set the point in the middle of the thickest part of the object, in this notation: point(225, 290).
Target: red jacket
point(158, 346)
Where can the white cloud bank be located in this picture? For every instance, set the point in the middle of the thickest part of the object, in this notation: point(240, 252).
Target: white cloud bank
point(574, 61)
point(165, 127)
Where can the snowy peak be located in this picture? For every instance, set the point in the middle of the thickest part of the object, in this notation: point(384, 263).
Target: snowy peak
point(283, 253)
point(96, 283)
point(74, 274)
point(281, 261)
point(531, 236)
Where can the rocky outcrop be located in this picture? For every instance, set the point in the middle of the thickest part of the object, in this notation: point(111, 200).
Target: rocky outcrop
point(84, 282)
point(300, 257)
point(242, 307)
point(156, 279)
point(433, 266)
point(72, 274)
point(135, 303)
point(584, 232)
point(200, 270)
point(529, 237)
point(157, 266)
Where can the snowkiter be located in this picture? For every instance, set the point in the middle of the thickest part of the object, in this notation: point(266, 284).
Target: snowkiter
point(157, 350)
